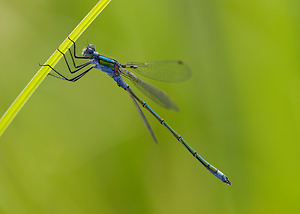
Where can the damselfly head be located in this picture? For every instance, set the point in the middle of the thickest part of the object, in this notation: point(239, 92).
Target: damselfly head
point(89, 51)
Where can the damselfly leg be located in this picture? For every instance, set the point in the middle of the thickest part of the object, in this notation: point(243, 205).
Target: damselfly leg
point(74, 79)
point(74, 47)
point(79, 67)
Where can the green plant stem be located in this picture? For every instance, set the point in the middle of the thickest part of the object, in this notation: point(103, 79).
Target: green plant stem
point(43, 72)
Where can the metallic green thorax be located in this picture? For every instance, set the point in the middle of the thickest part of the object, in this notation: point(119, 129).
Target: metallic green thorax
point(107, 61)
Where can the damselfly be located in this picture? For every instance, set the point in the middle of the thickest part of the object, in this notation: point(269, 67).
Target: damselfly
point(169, 71)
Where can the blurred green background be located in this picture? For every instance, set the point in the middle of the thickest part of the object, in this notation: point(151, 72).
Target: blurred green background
point(82, 148)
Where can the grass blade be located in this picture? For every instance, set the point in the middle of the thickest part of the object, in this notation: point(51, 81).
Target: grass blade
point(42, 73)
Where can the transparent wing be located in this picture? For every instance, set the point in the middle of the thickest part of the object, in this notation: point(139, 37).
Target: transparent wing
point(155, 94)
point(167, 71)
point(143, 117)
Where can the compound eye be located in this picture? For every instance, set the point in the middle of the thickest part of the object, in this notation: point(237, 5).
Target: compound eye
point(91, 47)
point(89, 51)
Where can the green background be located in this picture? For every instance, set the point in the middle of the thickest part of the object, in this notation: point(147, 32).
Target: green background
point(82, 148)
